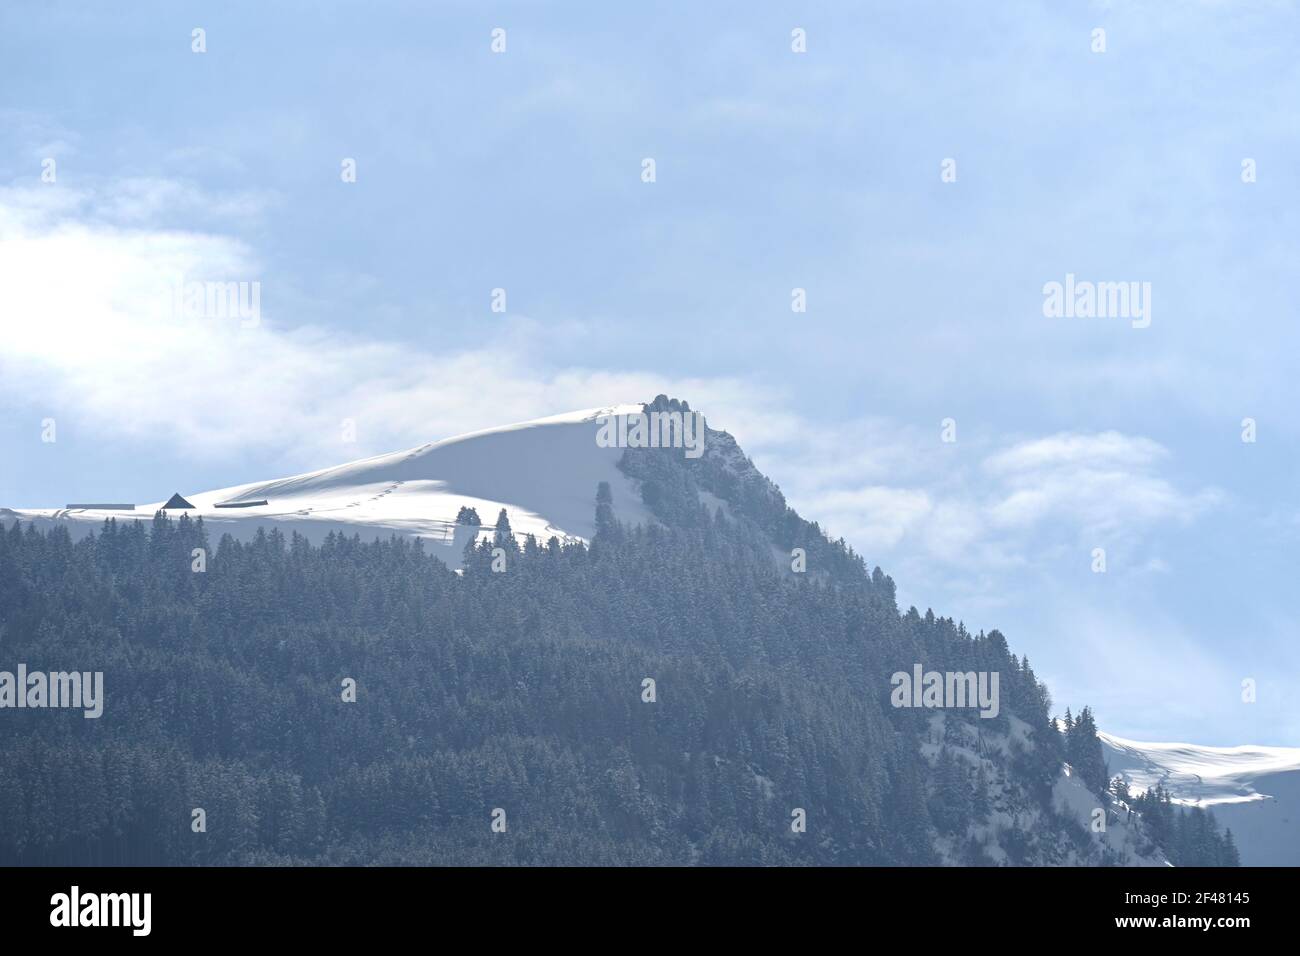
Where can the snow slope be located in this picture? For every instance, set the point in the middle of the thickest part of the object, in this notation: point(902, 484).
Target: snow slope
point(1123, 834)
point(543, 472)
point(1122, 843)
point(1253, 790)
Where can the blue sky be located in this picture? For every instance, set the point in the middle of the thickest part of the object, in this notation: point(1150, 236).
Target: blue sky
point(775, 170)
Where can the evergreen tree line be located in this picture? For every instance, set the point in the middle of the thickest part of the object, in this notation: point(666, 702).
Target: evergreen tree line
point(1188, 834)
point(1083, 750)
point(522, 689)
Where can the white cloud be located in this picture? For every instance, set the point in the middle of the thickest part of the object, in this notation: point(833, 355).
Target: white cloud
point(148, 200)
point(1102, 484)
point(89, 317)
point(976, 502)
point(1065, 450)
point(874, 517)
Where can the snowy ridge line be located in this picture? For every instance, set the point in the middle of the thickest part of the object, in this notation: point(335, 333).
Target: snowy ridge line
point(1253, 790)
point(544, 473)
point(1232, 766)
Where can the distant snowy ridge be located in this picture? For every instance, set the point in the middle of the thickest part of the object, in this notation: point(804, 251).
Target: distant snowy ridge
point(1199, 775)
point(1254, 790)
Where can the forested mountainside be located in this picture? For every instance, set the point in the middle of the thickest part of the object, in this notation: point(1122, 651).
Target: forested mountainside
point(668, 694)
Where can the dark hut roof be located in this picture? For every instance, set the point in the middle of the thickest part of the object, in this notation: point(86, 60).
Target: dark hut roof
point(176, 501)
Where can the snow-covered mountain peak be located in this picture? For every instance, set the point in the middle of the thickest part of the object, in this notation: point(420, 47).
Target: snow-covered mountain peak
point(544, 472)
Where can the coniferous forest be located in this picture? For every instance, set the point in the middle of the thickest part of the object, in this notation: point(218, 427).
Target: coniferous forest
point(518, 699)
